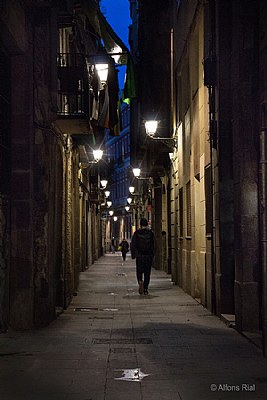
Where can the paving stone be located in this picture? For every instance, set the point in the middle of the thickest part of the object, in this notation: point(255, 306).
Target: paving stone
point(179, 346)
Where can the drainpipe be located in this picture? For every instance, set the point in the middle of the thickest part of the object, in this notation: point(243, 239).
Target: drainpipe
point(263, 219)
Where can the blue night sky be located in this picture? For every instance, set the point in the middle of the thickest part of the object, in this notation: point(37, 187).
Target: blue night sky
point(117, 13)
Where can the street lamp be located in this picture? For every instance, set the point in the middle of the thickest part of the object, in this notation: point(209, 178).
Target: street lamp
point(136, 172)
point(103, 183)
point(97, 155)
point(151, 127)
point(102, 70)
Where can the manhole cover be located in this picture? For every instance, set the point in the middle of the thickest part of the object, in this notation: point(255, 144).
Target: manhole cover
point(122, 341)
point(117, 350)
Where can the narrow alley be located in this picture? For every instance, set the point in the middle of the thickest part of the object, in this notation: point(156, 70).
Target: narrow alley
point(114, 344)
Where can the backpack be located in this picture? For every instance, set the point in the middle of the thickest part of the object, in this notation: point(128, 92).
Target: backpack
point(144, 242)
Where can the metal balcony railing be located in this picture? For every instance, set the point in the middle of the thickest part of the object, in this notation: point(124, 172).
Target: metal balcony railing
point(70, 60)
point(71, 101)
point(70, 104)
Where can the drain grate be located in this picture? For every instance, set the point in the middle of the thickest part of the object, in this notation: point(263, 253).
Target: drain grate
point(121, 274)
point(86, 309)
point(122, 341)
point(90, 309)
point(120, 350)
point(19, 353)
point(111, 317)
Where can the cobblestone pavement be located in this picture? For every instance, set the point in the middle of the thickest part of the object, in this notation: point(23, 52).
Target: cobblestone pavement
point(113, 344)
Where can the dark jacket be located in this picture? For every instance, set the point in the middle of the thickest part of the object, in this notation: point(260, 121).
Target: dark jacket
point(124, 246)
point(143, 243)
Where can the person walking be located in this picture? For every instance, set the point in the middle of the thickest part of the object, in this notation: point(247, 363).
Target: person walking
point(124, 248)
point(143, 249)
point(113, 245)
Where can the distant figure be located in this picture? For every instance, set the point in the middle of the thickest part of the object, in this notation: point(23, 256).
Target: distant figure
point(143, 249)
point(113, 245)
point(124, 248)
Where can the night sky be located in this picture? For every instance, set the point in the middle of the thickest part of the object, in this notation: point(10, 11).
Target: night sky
point(117, 13)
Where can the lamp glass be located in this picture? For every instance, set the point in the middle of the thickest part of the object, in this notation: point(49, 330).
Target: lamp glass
point(102, 70)
point(115, 218)
point(111, 213)
point(97, 154)
point(127, 208)
point(129, 200)
point(109, 203)
point(107, 193)
point(131, 189)
point(136, 172)
point(151, 127)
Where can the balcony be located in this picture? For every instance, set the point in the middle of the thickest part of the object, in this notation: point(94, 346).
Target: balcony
point(72, 98)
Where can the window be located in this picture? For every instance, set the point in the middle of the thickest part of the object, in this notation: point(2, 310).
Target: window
point(208, 197)
point(188, 210)
point(181, 212)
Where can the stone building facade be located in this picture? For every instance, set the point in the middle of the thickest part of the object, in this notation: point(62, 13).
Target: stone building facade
point(49, 199)
point(210, 199)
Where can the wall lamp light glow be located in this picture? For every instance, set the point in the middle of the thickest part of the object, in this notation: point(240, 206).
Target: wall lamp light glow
point(129, 200)
point(109, 203)
point(115, 218)
point(131, 189)
point(107, 193)
point(127, 208)
point(111, 212)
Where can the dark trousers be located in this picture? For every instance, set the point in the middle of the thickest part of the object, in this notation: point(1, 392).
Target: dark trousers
point(123, 253)
point(143, 267)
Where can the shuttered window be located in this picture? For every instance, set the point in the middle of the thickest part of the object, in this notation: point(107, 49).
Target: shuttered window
point(208, 197)
point(188, 210)
point(181, 212)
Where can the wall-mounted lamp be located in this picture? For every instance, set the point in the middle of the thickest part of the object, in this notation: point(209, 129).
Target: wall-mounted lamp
point(97, 156)
point(102, 70)
point(127, 208)
point(115, 218)
point(111, 212)
point(131, 189)
point(107, 193)
point(103, 183)
point(151, 127)
point(109, 203)
point(129, 200)
point(136, 172)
